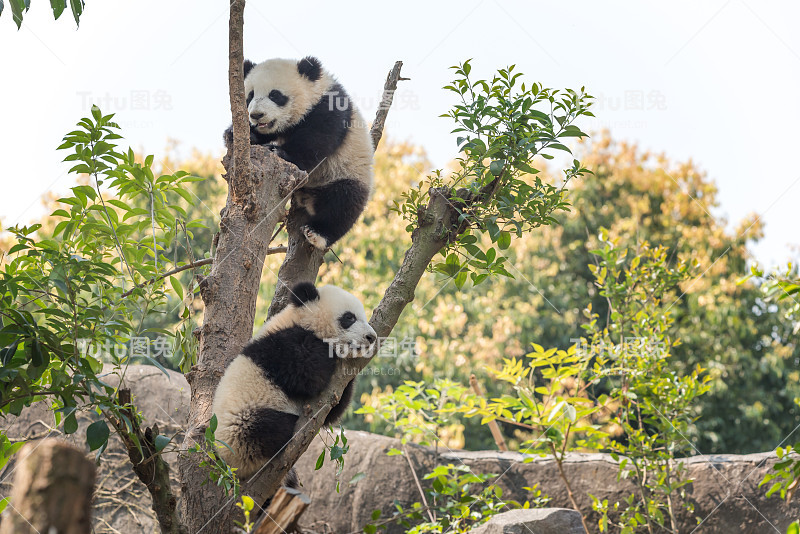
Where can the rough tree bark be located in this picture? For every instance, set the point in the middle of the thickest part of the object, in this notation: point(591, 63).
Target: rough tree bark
point(52, 491)
point(229, 293)
point(257, 194)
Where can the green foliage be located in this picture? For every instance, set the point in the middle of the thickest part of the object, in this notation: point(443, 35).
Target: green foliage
point(219, 472)
point(20, 7)
point(617, 390)
point(246, 505)
point(781, 287)
point(786, 473)
point(649, 400)
point(75, 297)
point(549, 398)
point(496, 189)
point(778, 287)
point(336, 454)
point(746, 344)
point(418, 412)
point(457, 501)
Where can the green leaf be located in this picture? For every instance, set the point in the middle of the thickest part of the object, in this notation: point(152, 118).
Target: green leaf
point(496, 167)
point(70, 423)
point(17, 7)
point(4, 502)
point(358, 477)
point(161, 442)
point(320, 461)
point(58, 7)
point(794, 528)
point(97, 434)
point(77, 9)
point(176, 285)
point(504, 240)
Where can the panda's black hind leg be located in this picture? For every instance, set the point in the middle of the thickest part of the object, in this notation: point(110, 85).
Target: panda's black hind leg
point(335, 209)
point(269, 431)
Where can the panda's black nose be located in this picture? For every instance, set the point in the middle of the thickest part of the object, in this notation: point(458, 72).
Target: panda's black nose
point(256, 115)
point(370, 338)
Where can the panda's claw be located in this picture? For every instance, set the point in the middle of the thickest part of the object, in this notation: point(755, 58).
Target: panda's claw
point(314, 238)
point(277, 150)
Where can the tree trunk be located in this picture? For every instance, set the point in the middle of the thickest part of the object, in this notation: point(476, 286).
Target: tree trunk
point(260, 185)
point(52, 491)
point(229, 294)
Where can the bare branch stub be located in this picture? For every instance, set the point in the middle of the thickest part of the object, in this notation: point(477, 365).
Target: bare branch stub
point(376, 131)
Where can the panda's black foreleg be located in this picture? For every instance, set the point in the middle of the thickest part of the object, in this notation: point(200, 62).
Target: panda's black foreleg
point(338, 411)
point(333, 210)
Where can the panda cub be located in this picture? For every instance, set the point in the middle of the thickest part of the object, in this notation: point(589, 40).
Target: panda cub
point(289, 362)
point(303, 114)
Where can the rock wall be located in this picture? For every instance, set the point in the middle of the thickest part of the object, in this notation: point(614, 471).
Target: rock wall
point(725, 493)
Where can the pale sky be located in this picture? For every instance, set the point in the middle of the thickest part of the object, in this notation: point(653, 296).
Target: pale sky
point(714, 81)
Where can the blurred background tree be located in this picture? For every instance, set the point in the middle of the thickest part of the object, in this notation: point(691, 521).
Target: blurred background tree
point(745, 342)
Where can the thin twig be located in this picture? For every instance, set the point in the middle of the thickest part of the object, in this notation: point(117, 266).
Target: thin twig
point(176, 270)
point(493, 426)
point(419, 486)
point(199, 263)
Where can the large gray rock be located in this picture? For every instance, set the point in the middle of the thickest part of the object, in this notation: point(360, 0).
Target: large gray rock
point(534, 521)
point(725, 491)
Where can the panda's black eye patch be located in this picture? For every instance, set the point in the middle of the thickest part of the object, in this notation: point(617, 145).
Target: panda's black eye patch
point(278, 97)
point(249, 97)
point(347, 320)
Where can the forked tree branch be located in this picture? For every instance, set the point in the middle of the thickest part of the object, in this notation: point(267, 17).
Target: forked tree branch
point(376, 131)
point(148, 464)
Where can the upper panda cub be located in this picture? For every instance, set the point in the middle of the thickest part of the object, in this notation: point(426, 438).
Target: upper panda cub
point(289, 362)
point(307, 118)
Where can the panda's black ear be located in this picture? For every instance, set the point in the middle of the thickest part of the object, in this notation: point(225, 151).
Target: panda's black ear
point(247, 66)
point(304, 292)
point(310, 67)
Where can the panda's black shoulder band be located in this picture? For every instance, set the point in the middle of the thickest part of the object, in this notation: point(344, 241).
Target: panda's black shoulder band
point(304, 292)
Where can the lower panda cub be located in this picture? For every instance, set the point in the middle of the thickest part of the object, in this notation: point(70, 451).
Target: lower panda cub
point(289, 362)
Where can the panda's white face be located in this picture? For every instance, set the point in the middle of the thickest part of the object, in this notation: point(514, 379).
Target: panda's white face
point(335, 316)
point(279, 96)
point(352, 336)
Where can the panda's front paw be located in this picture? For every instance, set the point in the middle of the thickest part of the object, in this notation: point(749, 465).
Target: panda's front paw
point(277, 150)
point(314, 238)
